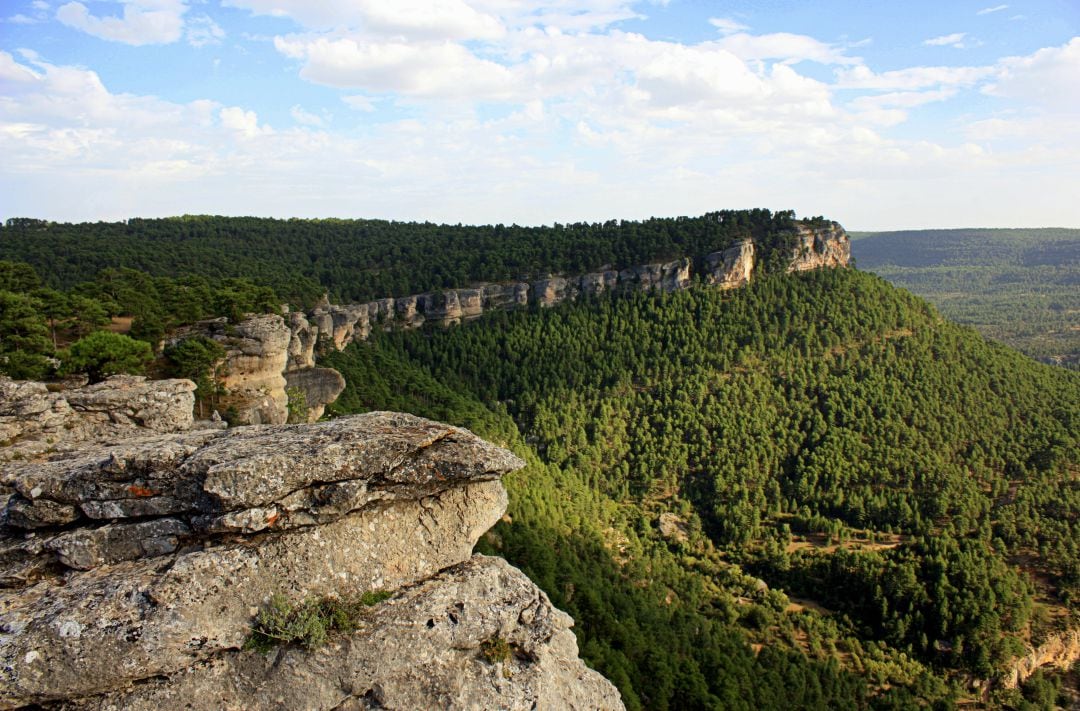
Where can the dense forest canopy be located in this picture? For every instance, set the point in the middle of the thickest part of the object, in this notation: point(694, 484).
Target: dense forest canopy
point(362, 260)
point(1017, 286)
point(825, 432)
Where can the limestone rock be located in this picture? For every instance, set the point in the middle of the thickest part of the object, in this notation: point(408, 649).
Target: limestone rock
point(732, 267)
point(505, 296)
point(302, 341)
point(820, 247)
point(320, 386)
point(553, 290)
point(205, 526)
point(159, 405)
point(256, 356)
point(421, 649)
point(34, 421)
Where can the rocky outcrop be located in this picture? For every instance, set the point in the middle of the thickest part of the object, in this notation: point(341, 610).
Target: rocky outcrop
point(820, 247)
point(318, 386)
point(815, 247)
point(35, 420)
point(257, 352)
point(1060, 651)
point(132, 572)
point(302, 341)
point(731, 268)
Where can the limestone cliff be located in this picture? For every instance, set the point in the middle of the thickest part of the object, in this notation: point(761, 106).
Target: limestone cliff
point(268, 355)
point(815, 247)
point(820, 247)
point(131, 573)
point(1059, 651)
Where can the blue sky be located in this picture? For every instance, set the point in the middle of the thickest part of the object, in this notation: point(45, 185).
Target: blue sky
point(880, 114)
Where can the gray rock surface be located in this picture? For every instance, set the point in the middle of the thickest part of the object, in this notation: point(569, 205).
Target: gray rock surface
point(421, 649)
point(131, 572)
point(732, 267)
point(34, 420)
point(820, 248)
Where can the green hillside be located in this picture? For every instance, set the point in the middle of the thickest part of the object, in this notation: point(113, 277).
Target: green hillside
point(817, 468)
point(363, 260)
point(1017, 286)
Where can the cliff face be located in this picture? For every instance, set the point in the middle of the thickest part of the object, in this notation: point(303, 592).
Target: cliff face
point(339, 325)
point(820, 247)
point(131, 574)
point(1060, 651)
point(269, 355)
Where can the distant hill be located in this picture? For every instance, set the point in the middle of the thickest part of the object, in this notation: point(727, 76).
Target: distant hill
point(1018, 286)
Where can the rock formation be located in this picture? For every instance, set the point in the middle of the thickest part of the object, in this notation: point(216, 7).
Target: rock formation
point(731, 268)
point(268, 354)
point(339, 325)
point(1060, 651)
point(820, 247)
point(34, 419)
point(318, 386)
point(131, 574)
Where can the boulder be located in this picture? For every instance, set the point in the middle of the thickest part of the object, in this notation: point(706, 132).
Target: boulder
point(143, 561)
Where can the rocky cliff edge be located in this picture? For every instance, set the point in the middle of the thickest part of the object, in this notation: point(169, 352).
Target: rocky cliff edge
point(131, 574)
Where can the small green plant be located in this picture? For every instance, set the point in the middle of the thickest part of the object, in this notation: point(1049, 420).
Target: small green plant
point(495, 650)
point(308, 623)
point(297, 405)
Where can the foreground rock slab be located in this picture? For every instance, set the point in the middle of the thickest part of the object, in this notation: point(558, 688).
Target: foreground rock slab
point(421, 649)
point(139, 559)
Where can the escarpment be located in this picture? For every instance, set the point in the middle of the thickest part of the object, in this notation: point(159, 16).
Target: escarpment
point(815, 247)
point(132, 572)
point(270, 359)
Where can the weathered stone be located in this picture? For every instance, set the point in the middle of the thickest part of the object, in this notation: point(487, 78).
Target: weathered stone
point(89, 548)
point(256, 356)
point(35, 421)
point(210, 473)
point(304, 336)
point(161, 614)
point(159, 405)
point(732, 267)
point(820, 247)
point(421, 649)
point(320, 387)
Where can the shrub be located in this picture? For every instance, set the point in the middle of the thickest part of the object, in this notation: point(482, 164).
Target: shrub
point(309, 622)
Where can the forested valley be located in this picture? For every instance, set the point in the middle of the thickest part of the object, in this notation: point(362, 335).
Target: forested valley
point(814, 492)
point(1017, 286)
point(811, 493)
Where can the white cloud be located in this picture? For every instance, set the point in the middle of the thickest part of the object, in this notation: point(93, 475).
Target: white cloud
point(435, 70)
point(785, 47)
point(995, 8)
point(142, 22)
point(911, 78)
point(21, 20)
point(727, 26)
point(956, 40)
point(245, 123)
point(590, 124)
point(359, 102)
point(1049, 78)
point(202, 30)
point(426, 19)
point(305, 117)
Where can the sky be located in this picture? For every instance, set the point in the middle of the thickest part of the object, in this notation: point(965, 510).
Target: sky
point(881, 114)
